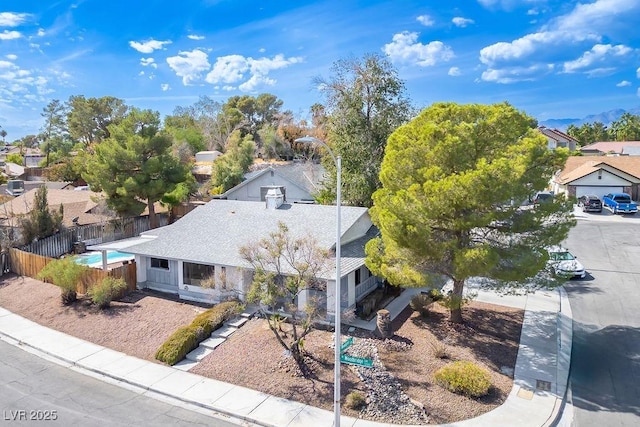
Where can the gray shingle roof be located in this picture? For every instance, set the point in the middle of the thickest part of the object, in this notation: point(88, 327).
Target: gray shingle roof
point(214, 233)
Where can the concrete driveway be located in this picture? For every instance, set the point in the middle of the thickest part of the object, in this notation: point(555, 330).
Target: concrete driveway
point(605, 362)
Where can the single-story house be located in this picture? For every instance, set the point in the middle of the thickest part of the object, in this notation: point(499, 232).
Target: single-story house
point(599, 175)
point(557, 139)
point(206, 244)
point(298, 182)
point(79, 207)
point(620, 148)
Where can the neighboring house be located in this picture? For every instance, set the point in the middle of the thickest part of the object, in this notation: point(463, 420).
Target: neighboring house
point(31, 185)
point(32, 160)
point(203, 165)
point(81, 206)
point(298, 182)
point(599, 175)
point(620, 148)
point(206, 243)
point(557, 139)
point(13, 170)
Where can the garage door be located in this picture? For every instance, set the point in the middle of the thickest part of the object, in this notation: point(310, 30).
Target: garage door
point(581, 190)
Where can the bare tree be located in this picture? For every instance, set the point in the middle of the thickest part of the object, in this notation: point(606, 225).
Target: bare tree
point(285, 267)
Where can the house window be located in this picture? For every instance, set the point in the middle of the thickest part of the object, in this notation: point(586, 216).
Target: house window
point(197, 274)
point(160, 263)
point(358, 277)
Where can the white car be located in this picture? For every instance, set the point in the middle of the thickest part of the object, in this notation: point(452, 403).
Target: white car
point(563, 263)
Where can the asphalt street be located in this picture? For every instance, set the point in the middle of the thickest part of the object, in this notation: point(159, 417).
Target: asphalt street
point(605, 362)
point(35, 391)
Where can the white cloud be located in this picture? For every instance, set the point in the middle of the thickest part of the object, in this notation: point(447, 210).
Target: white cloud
point(232, 69)
point(585, 22)
point(425, 20)
point(638, 73)
point(195, 37)
point(454, 71)
point(146, 62)
point(7, 64)
point(11, 19)
point(516, 74)
point(189, 65)
point(624, 83)
point(165, 87)
point(149, 46)
point(405, 48)
point(10, 35)
point(228, 69)
point(461, 22)
point(41, 32)
point(598, 54)
point(11, 56)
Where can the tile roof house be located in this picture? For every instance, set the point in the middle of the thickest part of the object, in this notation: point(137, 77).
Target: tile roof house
point(76, 204)
point(621, 148)
point(557, 139)
point(209, 238)
point(599, 175)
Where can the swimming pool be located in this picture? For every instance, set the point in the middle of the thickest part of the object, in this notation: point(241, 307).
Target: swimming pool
point(95, 258)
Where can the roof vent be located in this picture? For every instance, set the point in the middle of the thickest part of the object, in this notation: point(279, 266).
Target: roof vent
point(274, 198)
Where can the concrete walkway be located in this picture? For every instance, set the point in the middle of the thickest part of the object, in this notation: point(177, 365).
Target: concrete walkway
point(540, 376)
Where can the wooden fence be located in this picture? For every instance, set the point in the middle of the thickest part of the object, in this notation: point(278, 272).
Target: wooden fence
point(28, 264)
point(62, 242)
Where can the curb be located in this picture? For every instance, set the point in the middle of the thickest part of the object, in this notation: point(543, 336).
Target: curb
point(565, 345)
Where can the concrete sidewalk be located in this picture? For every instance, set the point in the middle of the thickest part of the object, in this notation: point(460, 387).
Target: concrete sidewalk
point(540, 376)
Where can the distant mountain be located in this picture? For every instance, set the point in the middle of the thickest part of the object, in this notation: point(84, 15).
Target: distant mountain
point(606, 118)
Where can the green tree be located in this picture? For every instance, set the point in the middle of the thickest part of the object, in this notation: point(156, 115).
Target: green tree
point(446, 207)
point(229, 169)
point(3, 134)
point(589, 133)
point(16, 158)
point(184, 128)
point(626, 128)
point(252, 113)
point(89, 119)
point(66, 274)
point(285, 267)
point(41, 222)
point(54, 131)
point(134, 166)
point(366, 102)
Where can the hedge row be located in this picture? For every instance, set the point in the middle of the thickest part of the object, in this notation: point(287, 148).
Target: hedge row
point(187, 338)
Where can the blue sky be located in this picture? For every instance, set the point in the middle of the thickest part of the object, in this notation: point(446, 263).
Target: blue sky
point(549, 58)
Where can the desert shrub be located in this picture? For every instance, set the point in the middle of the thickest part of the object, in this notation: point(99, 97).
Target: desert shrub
point(435, 294)
point(106, 290)
point(178, 345)
point(64, 273)
point(464, 378)
point(420, 303)
point(439, 349)
point(355, 400)
point(187, 338)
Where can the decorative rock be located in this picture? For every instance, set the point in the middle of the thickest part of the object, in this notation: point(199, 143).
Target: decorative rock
point(383, 324)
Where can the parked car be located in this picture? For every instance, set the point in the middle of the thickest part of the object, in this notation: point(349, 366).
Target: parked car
point(590, 203)
point(619, 203)
point(542, 196)
point(562, 263)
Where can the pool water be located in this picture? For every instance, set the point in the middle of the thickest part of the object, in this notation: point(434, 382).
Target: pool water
point(91, 258)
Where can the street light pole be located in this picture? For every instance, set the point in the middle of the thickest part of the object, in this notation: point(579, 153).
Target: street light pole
point(337, 309)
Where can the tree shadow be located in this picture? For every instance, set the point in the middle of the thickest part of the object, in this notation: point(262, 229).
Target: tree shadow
point(604, 368)
point(491, 336)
